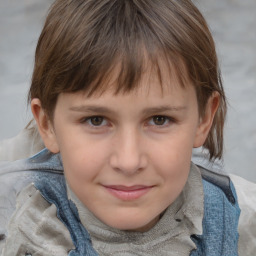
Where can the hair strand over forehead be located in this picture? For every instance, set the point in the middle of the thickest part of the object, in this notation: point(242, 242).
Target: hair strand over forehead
point(83, 41)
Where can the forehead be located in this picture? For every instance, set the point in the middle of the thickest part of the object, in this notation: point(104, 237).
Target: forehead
point(122, 78)
point(152, 90)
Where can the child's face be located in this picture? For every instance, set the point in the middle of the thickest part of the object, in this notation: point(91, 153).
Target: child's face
point(127, 157)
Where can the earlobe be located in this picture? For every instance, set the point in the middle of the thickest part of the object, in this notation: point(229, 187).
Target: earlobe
point(45, 126)
point(207, 120)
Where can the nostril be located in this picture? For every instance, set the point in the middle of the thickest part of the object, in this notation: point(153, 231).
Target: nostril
point(2, 237)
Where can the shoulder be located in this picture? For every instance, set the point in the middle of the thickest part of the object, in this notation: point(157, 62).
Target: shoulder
point(221, 215)
point(233, 187)
point(35, 227)
point(220, 203)
point(218, 187)
point(246, 192)
point(25, 144)
point(220, 199)
point(218, 183)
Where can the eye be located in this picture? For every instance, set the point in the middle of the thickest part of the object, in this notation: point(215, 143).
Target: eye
point(95, 121)
point(159, 120)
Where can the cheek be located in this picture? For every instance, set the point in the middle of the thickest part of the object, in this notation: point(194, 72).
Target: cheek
point(172, 161)
point(175, 169)
point(175, 174)
point(83, 161)
point(174, 150)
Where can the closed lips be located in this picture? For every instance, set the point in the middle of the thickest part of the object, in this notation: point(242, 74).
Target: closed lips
point(128, 193)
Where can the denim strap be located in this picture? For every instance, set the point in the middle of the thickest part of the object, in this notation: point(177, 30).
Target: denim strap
point(220, 223)
point(54, 191)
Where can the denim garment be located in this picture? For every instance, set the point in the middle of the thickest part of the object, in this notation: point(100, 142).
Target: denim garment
point(54, 191)
point(220, 221)
point(220, 212)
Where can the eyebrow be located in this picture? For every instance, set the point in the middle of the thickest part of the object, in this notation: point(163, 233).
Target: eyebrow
point(161, 109)
point(95, 109)
point(147, 111)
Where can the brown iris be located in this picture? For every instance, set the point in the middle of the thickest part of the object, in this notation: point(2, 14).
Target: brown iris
point(96, 120)
point(159, 120)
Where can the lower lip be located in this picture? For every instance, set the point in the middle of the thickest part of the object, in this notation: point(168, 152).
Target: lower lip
point(128, 195)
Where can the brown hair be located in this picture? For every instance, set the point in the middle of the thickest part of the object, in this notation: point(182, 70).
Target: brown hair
point(83, 40)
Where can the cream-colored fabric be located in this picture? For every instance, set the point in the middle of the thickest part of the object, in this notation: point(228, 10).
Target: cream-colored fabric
point(246, 192)
point(35, 229)
point(24, 145)
point(168, 237)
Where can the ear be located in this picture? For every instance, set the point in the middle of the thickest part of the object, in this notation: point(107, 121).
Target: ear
point(206, 120)
point(45, 126)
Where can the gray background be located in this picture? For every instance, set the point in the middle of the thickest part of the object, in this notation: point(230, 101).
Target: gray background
point(233, 24)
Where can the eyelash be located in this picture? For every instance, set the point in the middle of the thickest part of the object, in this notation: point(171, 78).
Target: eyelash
point(88, 121)
point(104, 122)
point(164, 121)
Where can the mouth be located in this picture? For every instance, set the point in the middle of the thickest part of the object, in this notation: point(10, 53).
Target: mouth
point(128, 193)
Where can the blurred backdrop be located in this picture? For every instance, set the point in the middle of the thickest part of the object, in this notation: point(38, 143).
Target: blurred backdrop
point(233, 24)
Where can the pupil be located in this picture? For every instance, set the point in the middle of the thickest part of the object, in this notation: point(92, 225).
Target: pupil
point(159, 120)
point(97, 120)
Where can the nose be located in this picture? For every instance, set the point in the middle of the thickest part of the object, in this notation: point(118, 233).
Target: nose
point(128, 154)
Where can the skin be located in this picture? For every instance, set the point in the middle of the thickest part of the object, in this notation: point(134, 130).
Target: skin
point(127, 156)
